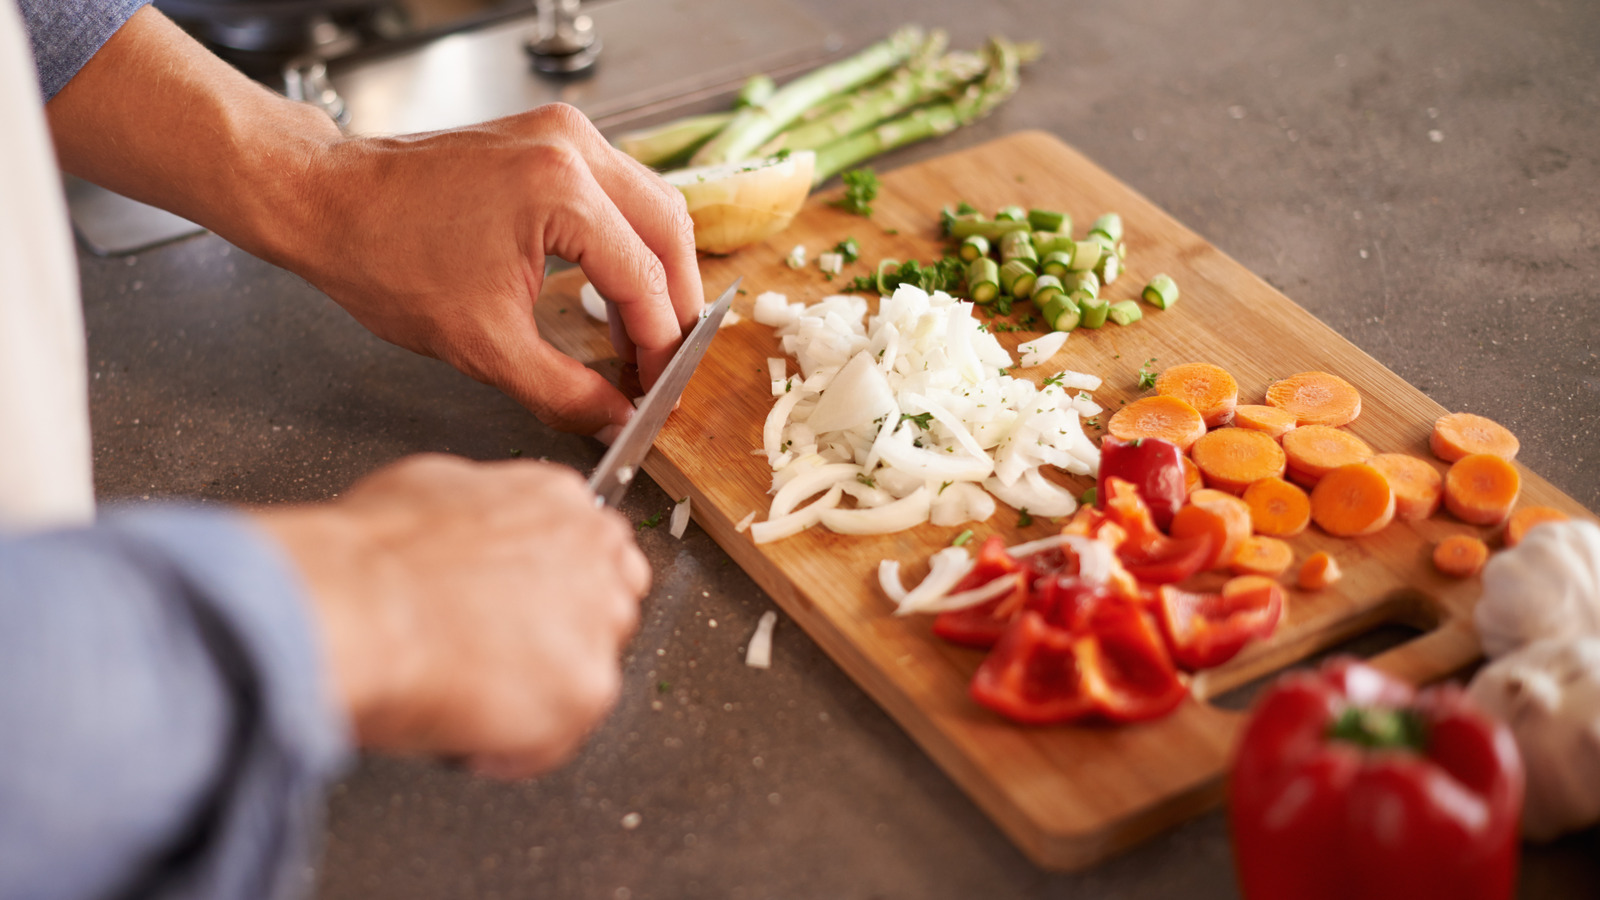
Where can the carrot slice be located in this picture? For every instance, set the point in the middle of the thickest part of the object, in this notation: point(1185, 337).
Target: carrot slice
point(1481, 488)
point(1418, 486)
point(1316, 398)
point(1315, 450)
point(1270, 419)
point(1207, 388)
point(1463, 434)
point(1528, 516)
point(1224, 517)
point(1318, 571)
point(1232, 458)
point(1277, 507)
point(1352, 500)
point(1261, 555)
point(1460, 555)
point(1167, 418)
point(1191, 476)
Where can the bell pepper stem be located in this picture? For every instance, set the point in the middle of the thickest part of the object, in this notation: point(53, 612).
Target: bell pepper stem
point(1379, 728)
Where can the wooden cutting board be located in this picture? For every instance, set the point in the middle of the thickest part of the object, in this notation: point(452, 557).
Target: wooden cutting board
point(1068, 796)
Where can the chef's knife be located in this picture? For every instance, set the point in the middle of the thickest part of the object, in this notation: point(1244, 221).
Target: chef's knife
point(617, 468)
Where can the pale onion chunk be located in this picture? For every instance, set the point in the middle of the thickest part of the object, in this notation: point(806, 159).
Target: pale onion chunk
point(907, 512)
point(1077, 381)
point(945, 570)
point(960, 502)
point(773, 309)
point(856, 396)
point(795, 522)
point(1040, 350)
point(797, 257)
point(680, 518)
point(592, 302)
point(1033, 493)
point(812, 481)
point(983, 593)
point(772, 431)
point(931, 465)
point(758, 655)
point(745, 523)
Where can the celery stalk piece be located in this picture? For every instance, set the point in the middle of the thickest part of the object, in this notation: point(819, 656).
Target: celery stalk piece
point(994, 231)
point(1045, 287)
point(1125, 312)
point(754, 126)
point(757, 89)
point(1109, 268)
point(983, 280)
point(1011, 214)
point(1054, 242)
point(1085, 254)
point(1017, 278)
point(1018, 245)
point(1081, 281)
point(1161, 292)
point(973, 247)
point(1056, 263)
point(664, 146)
point(1049, 220)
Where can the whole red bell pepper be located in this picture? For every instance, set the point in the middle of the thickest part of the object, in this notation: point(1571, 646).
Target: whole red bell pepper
point(1348, 784)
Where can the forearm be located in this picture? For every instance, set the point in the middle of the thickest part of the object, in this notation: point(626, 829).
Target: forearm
point(155, 116)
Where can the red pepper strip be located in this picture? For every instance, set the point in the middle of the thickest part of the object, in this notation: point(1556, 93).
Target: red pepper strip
point(1153, 467)
point(1346, 785)
point(981, 625)
point(1041, 674)
point(1205, 630)
point(1145, 552)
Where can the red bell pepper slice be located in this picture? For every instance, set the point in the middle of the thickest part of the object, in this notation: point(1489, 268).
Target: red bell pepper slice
point(1347, 784)
point(1205, 630)
point(1042, 674)
point(1145, 552)
point(980, 626)
point(1155, 469)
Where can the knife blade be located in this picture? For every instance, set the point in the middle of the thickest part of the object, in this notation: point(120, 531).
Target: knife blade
point(617, 468)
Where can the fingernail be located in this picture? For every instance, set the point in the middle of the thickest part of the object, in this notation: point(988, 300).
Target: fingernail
point(608, 434)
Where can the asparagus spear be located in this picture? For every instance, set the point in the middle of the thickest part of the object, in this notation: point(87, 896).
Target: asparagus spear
point(753, 126)
point(999, 82)
point(928, 77)
point(666, 145)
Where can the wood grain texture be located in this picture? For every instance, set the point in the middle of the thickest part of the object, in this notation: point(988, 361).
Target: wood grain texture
point(1068, 796)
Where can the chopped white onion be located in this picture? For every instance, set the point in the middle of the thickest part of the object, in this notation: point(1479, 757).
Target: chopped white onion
point(1040, 350)
point(945, 570)
point(592, 302)
point(983, 593)
point(680, 518)
point(797, 521)
point(907, 512)
point(744, 523)
point(759, 654)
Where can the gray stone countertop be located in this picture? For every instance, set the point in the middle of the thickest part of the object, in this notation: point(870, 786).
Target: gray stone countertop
point(1424, 177)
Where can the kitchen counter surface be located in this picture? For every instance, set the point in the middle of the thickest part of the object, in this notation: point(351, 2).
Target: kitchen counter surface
point(1424, 177)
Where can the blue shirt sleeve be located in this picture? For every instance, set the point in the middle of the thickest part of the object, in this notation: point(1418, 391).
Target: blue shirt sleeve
point(66, 33)
point(165, 720)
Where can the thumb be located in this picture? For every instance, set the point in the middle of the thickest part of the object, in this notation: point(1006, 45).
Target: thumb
point(562, 392)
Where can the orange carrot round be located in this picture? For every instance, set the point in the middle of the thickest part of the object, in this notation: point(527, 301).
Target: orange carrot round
point(1261, 555)
point(1463, 434)
point(1316, 398)
point(1315, 450)
point(1270, 419)
point(1167, 418)
point(1207, 388)
point(1481, 488)
point(1224, 517)
point(1352, 500)
point(1318, 571)
point(1528, 516)
point(1231, 458)
point(1460, 555)
point(1277, 507)
point(1192, 481)
point(1418, 486)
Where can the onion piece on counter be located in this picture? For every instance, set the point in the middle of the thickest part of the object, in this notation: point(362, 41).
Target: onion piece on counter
point(758, 655)
point(680, 519)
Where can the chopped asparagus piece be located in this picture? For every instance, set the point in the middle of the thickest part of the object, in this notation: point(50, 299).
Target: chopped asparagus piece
point(1085, 254)
point(963, 228)
point(1049, 220)
point(1045, 287)
point(1056, 263)
point(1161, 292)
point(1094, 312)
point(1125, 312)
point(1082, 281)
point(1109, 225)
point(983, 280)
point(1018, 245)
point(974, 246)
point(1017, 278)
point(1060, 313)
point(1053, 242)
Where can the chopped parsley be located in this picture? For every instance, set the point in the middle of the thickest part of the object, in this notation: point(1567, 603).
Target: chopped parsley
point(651, 522)
point(866, 479)
point(1147, 373)
point(860, 189)
point(962, 538)
point(849, 249)
point(921, 420)
point(1023, 519)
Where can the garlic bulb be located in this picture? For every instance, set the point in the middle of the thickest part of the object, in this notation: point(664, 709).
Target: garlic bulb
point(1546, 586)
point(1549, 693)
